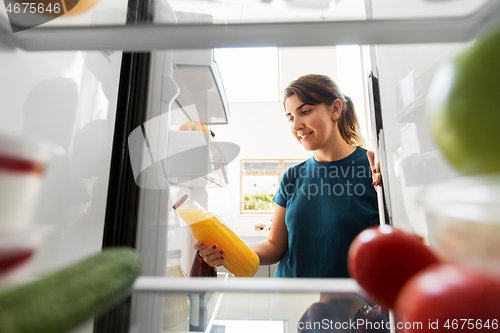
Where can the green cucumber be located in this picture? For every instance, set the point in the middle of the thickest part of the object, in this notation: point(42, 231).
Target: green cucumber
point(67, 298)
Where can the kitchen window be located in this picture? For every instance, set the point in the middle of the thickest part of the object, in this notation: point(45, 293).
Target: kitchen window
point(259, 181)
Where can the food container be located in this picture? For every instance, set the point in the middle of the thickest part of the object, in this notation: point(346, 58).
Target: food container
point(240, 260)
point(463, 221)
point(17, 249)
point(22, 166)
point(177, 306)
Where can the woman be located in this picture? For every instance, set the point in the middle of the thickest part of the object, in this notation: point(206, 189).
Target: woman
point(324, 202)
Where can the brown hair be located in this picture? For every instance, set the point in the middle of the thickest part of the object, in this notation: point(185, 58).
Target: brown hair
point(314, 89)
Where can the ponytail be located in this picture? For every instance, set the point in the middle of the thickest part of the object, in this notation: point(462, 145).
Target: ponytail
point(348, 124)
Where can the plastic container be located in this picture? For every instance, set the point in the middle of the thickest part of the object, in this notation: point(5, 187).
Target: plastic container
point(22, 166)
point(240, 260)
point(463, 221)
point(177, 307)
point(17, 250)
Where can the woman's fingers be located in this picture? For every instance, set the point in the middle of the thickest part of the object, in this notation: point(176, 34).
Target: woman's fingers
point(377, 179)
point(215, 259)
point(376, 176)
point(211, 254)
point(199, 246)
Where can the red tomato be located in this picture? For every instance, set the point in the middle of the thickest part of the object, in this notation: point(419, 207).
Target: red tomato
point(449, 298)
point(382, 258)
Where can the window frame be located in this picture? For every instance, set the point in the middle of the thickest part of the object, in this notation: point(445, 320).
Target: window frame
point(278, 173)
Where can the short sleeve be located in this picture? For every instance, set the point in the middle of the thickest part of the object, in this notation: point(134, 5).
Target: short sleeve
point(281, 197)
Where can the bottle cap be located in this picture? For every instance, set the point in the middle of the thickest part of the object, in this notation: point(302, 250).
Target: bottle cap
point(181, 201)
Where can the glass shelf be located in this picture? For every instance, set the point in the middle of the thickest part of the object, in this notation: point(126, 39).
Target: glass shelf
point(264, 24)
point(290, 301)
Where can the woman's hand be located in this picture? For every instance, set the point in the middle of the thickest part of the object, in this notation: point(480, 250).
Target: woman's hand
point(212, 255)
point(376, 176)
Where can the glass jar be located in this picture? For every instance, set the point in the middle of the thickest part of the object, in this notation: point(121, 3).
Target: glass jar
point(177, 306)
point(463, 221)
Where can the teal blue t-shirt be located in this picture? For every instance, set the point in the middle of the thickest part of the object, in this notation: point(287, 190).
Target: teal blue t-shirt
point(327, 205)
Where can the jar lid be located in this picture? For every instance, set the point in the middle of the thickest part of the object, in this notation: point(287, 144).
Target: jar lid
point(177, 253)
point(25, 148)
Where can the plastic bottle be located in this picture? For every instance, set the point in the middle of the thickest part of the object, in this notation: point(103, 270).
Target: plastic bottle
point(240, 260)
point(177, 306)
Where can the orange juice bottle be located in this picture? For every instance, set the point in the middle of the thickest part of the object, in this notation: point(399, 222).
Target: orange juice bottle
point(240, 260)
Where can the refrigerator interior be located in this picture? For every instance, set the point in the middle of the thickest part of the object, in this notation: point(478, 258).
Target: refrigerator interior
point(69, 97)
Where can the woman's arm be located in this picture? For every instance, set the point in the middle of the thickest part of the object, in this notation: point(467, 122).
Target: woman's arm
point(271, 250)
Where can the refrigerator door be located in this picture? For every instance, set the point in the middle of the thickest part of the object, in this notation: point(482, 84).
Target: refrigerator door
point(410, 160)
point(69, 100)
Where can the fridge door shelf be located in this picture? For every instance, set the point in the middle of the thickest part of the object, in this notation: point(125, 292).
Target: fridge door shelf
point(411, 94)
point(213, 180)
point(202, 94)
point(426, 168)
point(194, 160)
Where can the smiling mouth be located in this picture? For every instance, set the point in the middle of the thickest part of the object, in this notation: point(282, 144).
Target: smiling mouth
point(302, 137)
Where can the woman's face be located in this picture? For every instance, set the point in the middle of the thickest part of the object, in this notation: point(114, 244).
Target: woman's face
point(312, 125)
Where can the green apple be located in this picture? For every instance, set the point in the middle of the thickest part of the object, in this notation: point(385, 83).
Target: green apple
point(463, 106)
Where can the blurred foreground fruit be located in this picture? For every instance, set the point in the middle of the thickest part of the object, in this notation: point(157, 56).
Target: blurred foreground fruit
point(464, 107)
point(382, 259)
point(67, 298)
point(447, 298)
